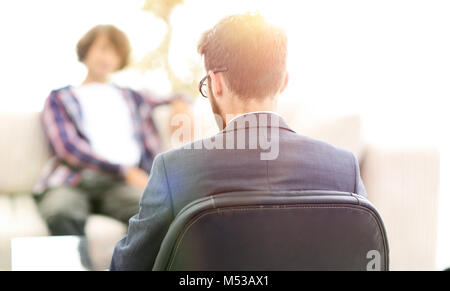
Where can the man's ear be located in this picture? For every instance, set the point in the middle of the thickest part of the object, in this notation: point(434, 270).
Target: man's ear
point(285, 82)
point(216, 84)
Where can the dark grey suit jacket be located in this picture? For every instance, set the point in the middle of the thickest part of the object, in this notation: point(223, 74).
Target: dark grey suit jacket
point(185, 174)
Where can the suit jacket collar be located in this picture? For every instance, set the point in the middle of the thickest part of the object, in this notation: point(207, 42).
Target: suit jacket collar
point(257, 119)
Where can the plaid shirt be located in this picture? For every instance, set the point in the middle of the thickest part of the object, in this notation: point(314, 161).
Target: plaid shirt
point(62, 122)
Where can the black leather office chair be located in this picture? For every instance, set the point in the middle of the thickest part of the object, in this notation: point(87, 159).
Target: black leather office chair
point(294, 230)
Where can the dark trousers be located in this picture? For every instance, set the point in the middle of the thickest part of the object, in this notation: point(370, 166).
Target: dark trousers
point(66, 208)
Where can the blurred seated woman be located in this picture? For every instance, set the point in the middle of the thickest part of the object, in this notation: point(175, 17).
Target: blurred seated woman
point(103, 138)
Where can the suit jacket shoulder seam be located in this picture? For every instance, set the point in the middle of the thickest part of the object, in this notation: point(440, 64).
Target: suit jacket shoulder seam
point(168, 185)
point(355, 162)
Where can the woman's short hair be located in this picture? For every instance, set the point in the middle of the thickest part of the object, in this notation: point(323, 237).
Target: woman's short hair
point(117, 37)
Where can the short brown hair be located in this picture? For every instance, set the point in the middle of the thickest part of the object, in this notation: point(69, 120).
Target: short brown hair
point(253, 50)
point(117, 37)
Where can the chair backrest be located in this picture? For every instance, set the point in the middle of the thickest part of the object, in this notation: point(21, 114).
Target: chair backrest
point(293, 230)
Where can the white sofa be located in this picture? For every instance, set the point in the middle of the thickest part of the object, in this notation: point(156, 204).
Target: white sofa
point(403, 183)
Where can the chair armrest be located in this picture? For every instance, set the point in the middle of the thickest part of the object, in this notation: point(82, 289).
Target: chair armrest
point(403, 183)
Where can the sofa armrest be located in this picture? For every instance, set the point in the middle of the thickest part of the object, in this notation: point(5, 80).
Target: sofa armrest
point(403, 183)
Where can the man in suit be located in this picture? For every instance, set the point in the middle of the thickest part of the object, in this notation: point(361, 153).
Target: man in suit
point(245, 58)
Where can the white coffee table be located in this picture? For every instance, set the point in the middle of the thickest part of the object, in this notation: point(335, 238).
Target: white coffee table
point(58, 253)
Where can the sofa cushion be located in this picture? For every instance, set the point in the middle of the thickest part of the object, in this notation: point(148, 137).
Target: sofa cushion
point(103, 233)
point(344, 131)
point(23, 151)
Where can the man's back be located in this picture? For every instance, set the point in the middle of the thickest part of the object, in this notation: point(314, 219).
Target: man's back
point(185, 174)
point(302, 163)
